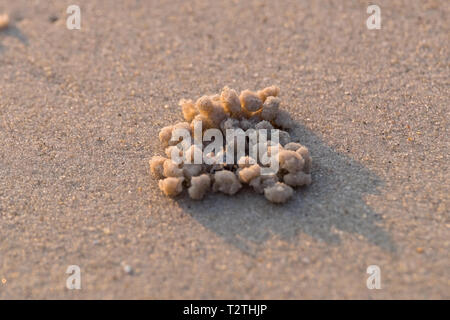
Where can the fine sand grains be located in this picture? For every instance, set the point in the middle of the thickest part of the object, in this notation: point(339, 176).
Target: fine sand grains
point(228, 110)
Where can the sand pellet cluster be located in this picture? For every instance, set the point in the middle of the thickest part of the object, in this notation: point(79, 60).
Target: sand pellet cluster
point(228, 110)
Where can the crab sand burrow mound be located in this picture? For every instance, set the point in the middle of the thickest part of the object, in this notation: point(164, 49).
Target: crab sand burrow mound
point(250, 111)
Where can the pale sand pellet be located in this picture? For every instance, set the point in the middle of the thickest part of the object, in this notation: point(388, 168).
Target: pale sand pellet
point(4, 21)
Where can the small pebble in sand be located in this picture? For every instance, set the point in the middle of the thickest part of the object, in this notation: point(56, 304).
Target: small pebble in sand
point(127, 268)
point(4, 21)
point(53, 18)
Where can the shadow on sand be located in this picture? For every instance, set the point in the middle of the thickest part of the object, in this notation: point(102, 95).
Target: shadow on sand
point(333, 202)
point(14, 32)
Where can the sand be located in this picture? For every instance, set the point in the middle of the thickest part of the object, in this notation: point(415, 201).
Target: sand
point(80, 112)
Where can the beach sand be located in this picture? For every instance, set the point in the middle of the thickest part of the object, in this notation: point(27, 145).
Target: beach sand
point(80, 112)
